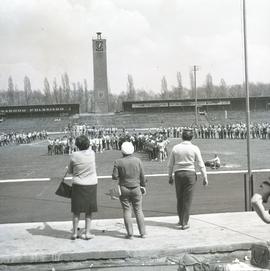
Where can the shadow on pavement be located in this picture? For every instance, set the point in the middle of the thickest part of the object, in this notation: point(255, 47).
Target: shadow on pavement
point(49, 231)
point(111, 233)
point(160, 224)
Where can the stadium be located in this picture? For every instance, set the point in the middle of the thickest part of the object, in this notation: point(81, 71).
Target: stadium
point(118, 156)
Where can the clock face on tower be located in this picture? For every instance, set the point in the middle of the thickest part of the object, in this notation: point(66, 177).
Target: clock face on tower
point(99, 45)
point(100, 94)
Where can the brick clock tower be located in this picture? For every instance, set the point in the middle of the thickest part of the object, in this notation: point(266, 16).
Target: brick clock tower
point(101, 96)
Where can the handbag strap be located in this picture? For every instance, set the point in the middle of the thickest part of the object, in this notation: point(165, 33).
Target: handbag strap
point(63, 179)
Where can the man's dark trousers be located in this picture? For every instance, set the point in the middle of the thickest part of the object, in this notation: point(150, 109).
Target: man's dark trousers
point(184, 186)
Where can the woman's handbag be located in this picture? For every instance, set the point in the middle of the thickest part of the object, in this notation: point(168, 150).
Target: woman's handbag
point(64, 190)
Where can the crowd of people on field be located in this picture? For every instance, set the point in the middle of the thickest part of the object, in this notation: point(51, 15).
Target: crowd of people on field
point(22, 137)
point(152, 141)
point(61, 145)
point(223, 131)
point(233, 131)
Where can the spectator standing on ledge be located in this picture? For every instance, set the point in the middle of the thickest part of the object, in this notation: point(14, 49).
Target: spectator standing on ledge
point(262, 197)
point(182, 162)
point(82, 166)
point(130, 173)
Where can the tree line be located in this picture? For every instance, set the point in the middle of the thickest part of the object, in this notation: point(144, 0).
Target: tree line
point(71, 92)
point(52, 93)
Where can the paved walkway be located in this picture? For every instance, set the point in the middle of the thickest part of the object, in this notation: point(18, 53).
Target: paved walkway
point(210, 233)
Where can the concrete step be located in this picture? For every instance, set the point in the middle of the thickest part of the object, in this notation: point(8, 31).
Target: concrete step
point(215, 237)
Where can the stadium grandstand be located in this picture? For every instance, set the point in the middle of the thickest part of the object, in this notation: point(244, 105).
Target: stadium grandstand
point(144, 115)
point(204, 105)
point(56, 110)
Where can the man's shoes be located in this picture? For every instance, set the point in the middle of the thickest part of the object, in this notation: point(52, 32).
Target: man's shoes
point(128, 236)
point(88, 236)
point(143, 236)
point(179, 225)
point(185, 227)
point(74, 236)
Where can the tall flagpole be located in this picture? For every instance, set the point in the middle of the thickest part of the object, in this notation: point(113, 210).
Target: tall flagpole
point(249, 175)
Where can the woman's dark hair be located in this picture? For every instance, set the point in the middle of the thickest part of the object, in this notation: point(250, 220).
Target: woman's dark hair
point(187, 135)
point(82, 142)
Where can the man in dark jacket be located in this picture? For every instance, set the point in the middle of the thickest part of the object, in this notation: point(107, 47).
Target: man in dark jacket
point(129, 172)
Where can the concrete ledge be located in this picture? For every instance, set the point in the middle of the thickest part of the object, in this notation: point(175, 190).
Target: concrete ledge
point(209, 234)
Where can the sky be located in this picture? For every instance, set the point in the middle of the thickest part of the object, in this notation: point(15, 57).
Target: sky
point(147, 39)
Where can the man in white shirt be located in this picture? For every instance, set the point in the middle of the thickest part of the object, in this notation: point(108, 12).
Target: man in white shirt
point(182, 163)
point(262, 197)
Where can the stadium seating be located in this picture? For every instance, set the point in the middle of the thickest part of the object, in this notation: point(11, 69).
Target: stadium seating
point(33, 124)
point(215, 117)
point(131, 120)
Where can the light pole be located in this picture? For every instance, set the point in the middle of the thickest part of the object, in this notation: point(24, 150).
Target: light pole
point(195, 69)
point(249, 175)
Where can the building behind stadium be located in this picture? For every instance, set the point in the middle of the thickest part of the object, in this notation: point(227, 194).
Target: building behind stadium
point(204, 105)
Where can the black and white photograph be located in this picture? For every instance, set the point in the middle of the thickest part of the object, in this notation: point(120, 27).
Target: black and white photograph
point(134, 135)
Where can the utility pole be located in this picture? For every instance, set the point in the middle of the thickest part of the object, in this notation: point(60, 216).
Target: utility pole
point(249, 175)
point(195, 69)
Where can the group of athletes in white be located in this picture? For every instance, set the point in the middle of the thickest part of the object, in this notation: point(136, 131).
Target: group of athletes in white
point(225, 131)
point(17, 138)
point(233, 131)
point(152, 143)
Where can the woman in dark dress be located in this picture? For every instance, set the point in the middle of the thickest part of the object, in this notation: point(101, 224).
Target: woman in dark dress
point(82, 166)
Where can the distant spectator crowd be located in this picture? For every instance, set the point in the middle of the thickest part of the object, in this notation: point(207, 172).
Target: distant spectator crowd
point(233, 131)
point(222, 131)
point(21, 137)
point(152, 142)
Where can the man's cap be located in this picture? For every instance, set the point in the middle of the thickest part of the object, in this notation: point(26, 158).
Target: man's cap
point(127, 148)
point(187, 131)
